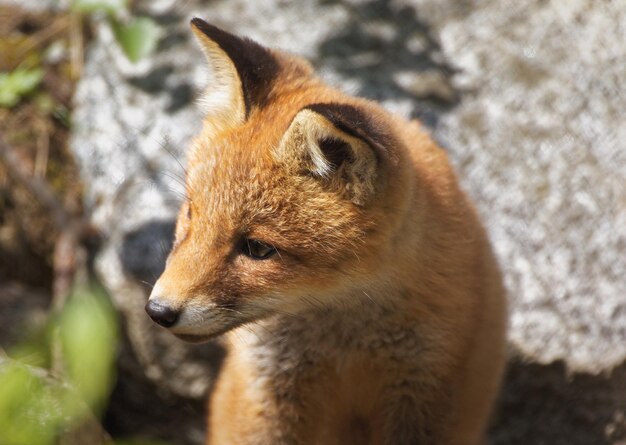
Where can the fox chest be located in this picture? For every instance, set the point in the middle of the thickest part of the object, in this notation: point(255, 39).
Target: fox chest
point(326, 401)
point(323, 383)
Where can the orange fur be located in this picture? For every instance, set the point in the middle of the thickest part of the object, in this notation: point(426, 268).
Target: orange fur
point(381, 318)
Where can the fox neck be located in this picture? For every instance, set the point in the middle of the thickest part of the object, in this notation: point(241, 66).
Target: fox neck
point(327, 330)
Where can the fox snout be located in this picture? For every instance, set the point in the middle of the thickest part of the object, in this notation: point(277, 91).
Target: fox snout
point(162, 313)
point(192, 317)
point(184, 321)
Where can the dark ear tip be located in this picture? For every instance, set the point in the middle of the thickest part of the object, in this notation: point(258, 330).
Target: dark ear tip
point(205, 27)
point(211, 31)
point(197, 22)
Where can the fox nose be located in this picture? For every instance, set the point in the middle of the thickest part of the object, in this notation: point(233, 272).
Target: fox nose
point(161, 313)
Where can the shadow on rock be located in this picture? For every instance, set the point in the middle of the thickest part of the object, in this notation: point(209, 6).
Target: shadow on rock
point(140, 408)
point(143, 409)
point(162, 384)
point(393, 55)
point(158, 81)
point(544, 405)
point(144, 250)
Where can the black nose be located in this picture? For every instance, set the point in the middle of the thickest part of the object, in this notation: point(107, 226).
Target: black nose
point(161, 313)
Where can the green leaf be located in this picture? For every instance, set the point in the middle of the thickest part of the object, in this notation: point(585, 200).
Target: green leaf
point(138, 38)
point(88, 329)
point(35, 407)
point(17, 84)
point(27, 415)
point(90, 6)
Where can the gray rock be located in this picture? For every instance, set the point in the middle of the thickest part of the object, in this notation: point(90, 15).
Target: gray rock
point(539, 141)
point(132, 123)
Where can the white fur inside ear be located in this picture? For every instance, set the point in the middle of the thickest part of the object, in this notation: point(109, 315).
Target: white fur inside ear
point(300, 150)
point(223, 102)
point(299, 146)
point(320, 165)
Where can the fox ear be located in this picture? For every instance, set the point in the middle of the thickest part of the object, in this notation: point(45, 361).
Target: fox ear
point(339, 144)
point(242, 74)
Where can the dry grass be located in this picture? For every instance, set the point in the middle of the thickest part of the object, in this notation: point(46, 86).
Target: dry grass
point(37, 131)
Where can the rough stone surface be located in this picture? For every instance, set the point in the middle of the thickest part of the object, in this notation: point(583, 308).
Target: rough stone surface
point(526, 96)
point(132, 124)
point(539, 141)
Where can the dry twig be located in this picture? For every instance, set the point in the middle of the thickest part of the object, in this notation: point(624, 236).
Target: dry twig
point(35, 185)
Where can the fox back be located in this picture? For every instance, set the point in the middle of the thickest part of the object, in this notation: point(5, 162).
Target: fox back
point(330, 242)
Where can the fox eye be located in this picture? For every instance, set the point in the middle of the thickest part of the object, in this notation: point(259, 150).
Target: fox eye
point(256, 249)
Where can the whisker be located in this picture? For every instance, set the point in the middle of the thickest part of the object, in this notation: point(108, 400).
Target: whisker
point(278, 252)
point(150, 285)
point(165, 248)
point(232, 310)
point(179, 180)
point(171, 153)
point(371, 299)
point(152, 184)
point(188, 188)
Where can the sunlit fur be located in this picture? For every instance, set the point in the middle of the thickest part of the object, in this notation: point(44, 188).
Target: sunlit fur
point(380, 319)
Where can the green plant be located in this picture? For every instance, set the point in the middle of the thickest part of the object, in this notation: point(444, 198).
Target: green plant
point(39, 403)
point(137, 36)
point(18, 83)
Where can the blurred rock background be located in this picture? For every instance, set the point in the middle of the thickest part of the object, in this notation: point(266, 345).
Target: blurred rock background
point(528, 99)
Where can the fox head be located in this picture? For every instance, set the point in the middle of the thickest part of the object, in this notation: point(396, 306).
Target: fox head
point(292, 195)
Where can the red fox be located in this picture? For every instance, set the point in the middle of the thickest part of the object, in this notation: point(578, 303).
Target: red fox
point(331, 243)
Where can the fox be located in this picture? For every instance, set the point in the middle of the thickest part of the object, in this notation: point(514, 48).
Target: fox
point(328, 243)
